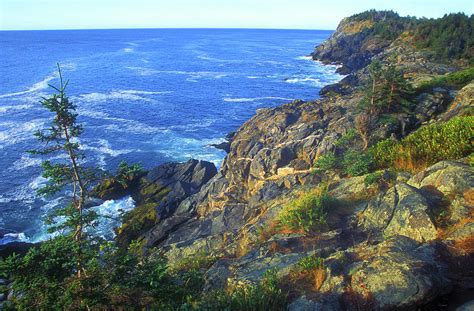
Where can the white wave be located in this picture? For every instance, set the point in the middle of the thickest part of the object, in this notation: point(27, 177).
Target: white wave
point(51, 204)
point(253, 77)
point(12, 108)
point(37, 182)
point(307, 80)
point(111, 211)
point(3, 199)
point(178, 147)
point(192, 75)
point(305, 57)
point(143, 71)
point(242, 100)
point(145, 92)
point(14, 237)
point(25, 162)
point(41, 85)
point(128, 50)
point(12, 133)
point(106, 149)
point(130, 95)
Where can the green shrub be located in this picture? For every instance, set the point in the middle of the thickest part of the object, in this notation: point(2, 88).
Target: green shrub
point(372, 178)
point(325, 162)
point(346, 138)
point(266, 295)
point(307, 213)
point(456, 80)
point(310, 263)
point(116, 278)
point(429, 144)
point(197, 261)
point(356, 163)
point(127, 173)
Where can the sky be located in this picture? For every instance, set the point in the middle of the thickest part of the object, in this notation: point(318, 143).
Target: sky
point(289, 14)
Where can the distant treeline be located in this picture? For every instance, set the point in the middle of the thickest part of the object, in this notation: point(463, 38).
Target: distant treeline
point(448, 37)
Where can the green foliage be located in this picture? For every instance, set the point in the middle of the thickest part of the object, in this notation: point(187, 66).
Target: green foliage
point(373, 178)
point(385, 90)
point(325, 162)
point(127, 173)
point(356, 163)
point(455, 80)
point(137, 221)
point(44, 279)
point(346, 139)
point(450, 37)
point(307, 213)
point(266, 295)
point(45, 274)
point(427, 145)
point(386, 24)
point(198, 261)
point(61, 138)
point(310, 263)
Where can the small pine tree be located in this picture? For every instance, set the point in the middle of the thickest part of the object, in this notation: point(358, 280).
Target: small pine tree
point(63, 137)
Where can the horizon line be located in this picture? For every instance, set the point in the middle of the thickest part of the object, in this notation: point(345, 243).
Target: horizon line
point(176, 28)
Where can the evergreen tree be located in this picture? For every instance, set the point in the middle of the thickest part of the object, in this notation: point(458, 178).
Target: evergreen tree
point(62, 136)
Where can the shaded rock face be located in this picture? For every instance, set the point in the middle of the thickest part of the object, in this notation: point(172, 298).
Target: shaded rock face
point(431, 104)
point(159, 194)
point(180, 181)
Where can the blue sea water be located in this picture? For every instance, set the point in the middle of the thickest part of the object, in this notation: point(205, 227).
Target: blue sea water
point(144, 95)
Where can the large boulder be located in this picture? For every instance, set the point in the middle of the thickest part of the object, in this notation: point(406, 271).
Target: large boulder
point(402, 274)
point(463, 104)
point(402, 210)
point(448, 177)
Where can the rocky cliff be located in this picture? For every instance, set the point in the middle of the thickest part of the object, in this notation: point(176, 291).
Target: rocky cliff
point(404, 241)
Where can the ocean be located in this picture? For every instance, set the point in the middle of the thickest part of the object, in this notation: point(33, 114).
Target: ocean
point(143, 95)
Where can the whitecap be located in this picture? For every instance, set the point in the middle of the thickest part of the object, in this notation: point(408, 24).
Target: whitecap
point(37, 183)
point(145, 92)
point(110, 215)
point(143, 71)
point(15, 132)
point(128, 50)
point(116, 95)
point(178, 147)
point(305, 57)
point(106, 149)
point(25, 162)
point(41, 85)
point(12, 108)
point(242, 100)
point(307, 80)
point(14, 237)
